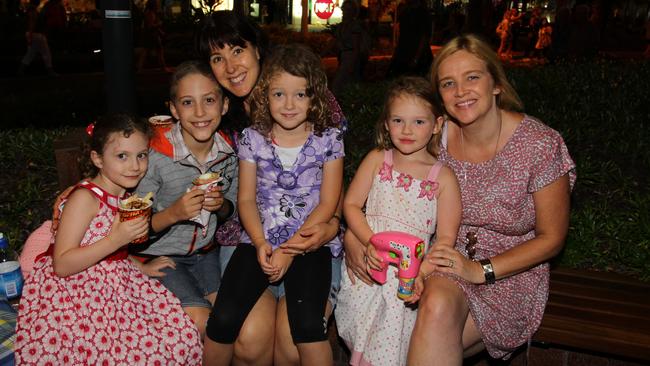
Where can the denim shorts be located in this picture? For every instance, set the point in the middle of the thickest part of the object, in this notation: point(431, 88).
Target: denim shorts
point(278, 289)
point(195, 277)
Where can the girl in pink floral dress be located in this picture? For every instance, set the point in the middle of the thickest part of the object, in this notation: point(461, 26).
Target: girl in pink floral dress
point(403, 188)
point(86, 303)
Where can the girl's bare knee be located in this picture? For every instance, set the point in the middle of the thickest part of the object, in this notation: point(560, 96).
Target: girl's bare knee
point(254, 350)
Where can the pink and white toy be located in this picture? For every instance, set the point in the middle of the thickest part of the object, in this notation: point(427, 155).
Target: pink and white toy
point(404, 251)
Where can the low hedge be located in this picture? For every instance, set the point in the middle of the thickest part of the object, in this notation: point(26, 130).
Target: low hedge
point(601, 108)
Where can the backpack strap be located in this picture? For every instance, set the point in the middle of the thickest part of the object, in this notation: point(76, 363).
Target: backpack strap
point(160, 143)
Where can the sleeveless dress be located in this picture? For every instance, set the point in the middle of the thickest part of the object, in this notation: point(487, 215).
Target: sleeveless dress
point(374, 323)
point(497, 198)
point(109, 314)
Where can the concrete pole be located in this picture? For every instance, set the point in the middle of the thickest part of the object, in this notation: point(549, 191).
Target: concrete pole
point(118, 56)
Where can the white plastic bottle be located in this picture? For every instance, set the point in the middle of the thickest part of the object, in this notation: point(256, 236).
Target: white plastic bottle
point(11, 278)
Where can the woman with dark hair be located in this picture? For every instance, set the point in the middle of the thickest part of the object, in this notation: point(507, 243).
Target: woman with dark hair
point(236, 48)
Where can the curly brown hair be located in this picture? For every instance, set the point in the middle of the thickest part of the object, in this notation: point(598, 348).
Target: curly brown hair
point(414, 86)
point(297, 60)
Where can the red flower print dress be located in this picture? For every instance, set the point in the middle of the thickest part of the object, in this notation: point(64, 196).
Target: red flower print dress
point(109, 314)
point(374, 323)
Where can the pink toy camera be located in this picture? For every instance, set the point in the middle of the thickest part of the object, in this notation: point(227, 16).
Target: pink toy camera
point(405, 251)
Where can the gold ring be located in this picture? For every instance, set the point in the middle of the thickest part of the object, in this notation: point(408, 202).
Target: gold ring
point(451, 263)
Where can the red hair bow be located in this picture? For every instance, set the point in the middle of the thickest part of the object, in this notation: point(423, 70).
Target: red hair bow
point(90, 128)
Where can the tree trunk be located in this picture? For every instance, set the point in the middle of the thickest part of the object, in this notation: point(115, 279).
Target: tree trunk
point(304, 29)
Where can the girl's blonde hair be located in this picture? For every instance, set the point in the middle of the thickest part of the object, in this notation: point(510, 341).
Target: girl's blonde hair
point(508, 98)
point(411, 86)
point(300, 61)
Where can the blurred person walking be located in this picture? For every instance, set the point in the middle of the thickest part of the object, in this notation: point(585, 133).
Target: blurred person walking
point(505, 32)
point(55, 19)
point(412, 54)
point(151, 36)
point(352, 40)
point(36, 40)
point(544, 40)
point(534, 24)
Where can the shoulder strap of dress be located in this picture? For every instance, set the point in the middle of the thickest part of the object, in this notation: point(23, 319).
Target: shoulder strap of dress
point(106, 198)
point(435, 170)
point(388, 157)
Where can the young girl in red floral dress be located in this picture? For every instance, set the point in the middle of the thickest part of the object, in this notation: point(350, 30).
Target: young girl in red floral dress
point(86, 302)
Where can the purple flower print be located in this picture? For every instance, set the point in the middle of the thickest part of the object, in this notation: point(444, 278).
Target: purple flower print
point(278, 235)
point(292, 206)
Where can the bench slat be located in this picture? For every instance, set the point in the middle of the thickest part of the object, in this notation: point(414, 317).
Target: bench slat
point(600, 280)
point(596, 317)
point(632, 297)
point(568, 332)
point(600, 312)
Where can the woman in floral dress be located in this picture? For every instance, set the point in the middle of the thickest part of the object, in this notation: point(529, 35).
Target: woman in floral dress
point(515, 175)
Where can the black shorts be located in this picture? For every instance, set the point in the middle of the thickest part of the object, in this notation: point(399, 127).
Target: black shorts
point(307, 286)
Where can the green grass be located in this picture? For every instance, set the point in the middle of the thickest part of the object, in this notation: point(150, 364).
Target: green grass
point(29, 181)
point(602, 109)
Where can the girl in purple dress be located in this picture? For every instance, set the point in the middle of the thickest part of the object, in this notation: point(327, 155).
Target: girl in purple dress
point(236, 49)
point(290, 177)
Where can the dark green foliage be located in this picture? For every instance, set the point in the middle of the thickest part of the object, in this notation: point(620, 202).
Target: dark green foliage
point(29, 181)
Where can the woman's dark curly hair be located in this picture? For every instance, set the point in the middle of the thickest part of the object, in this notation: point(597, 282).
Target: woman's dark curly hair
point(297, 60)
point(100, 133)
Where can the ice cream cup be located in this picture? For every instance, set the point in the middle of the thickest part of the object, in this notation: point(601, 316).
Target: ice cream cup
point(205, 180)
point(127, 214)
point(161, 120)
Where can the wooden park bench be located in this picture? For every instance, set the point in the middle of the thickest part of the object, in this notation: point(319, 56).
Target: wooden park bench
point(67, 151)
point(601, 313)
point(587, 312)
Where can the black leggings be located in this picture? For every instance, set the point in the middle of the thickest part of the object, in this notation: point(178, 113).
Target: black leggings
point(306, 283)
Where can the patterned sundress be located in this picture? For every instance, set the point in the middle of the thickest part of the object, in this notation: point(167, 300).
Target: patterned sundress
point(109, 314)
point(497, 197)
point(375, 324)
